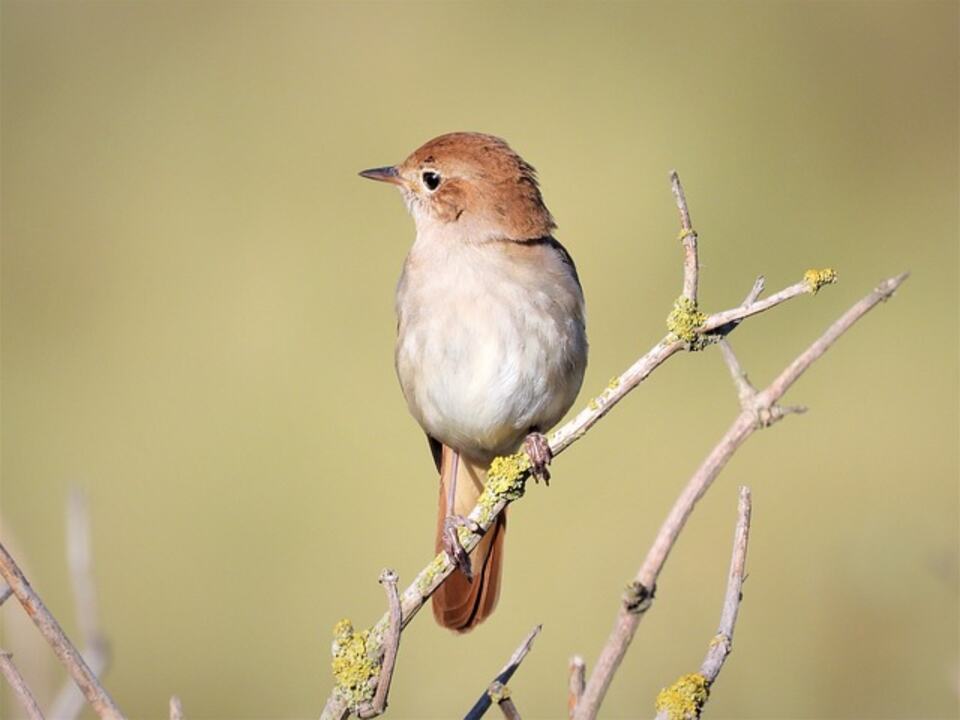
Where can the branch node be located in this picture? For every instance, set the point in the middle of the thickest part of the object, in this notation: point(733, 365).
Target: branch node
point(637, 598)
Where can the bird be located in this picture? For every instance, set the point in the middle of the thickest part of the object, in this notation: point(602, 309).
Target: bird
point(491, 343)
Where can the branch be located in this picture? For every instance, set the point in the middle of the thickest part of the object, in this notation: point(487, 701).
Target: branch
point(48, 626)
point(388, 578)
point(19, 686)
point(96, 652)
point(761, 411)
point(577, 680)
point(686, 697)
point(691, 259)
point(506, 672)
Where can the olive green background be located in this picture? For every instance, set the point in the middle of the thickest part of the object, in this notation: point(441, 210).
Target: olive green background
point(198, 330)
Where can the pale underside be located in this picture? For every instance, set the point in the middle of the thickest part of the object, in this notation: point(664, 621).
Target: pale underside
point(491, 341)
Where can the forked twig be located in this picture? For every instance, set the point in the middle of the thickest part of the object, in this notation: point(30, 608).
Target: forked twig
point(760, 410)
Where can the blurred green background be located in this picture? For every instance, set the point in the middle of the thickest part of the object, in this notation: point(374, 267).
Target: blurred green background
point(198, 329)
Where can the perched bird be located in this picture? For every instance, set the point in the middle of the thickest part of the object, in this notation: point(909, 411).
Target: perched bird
point(491, 340)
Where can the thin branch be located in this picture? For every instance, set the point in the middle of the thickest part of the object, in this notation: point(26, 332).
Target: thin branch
point(388, 578)
point(742, 312)
point(745, 390)
point(763, 412)
point(48, 626)
point(691, 260)
point(793, 372)
point(96, 652)
point(577, 680)
point(5, 592)
point(503, 677)
point(176, 708)
point(670, 702)
point(19, 686)
point(720, 649)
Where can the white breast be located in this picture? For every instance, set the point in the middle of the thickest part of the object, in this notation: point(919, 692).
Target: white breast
point(488, 348)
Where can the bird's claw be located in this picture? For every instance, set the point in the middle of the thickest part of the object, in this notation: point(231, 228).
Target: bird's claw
point(452, 545)
point(538, 450)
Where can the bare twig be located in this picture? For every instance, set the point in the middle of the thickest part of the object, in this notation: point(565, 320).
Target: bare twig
point(388, 578)
point(48, 626)
point(19, 686)
point(691, 260)
point(761, 412)
point(96, 652)
point(176, 708)
point(503, 677)
point(720, 649)
point(5, 592)
point(671, 702)
point(735, 315)
point(745, 391)
point(577, 679)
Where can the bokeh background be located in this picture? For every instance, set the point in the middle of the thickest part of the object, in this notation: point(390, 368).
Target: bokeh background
point(197, 329)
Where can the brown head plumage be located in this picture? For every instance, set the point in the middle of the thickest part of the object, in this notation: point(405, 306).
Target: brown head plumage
point(475, 181)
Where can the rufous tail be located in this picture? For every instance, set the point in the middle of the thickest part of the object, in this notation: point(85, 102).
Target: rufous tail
point(459, 604)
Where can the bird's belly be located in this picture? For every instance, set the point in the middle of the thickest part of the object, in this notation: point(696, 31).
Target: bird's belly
point(478, 376)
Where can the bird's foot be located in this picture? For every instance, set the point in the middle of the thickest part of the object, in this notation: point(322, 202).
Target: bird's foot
point(452, 545)
point(538, 450)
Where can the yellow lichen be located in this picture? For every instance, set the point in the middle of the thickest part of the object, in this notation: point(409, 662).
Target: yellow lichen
point(816, 279)
point(506, 480)
point(507, 475)
point(613, 384)
point(685, 319)
point(436, 566)
point(684, 699)
point(354, 662)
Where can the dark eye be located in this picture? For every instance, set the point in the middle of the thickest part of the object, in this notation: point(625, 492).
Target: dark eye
point(431, 180)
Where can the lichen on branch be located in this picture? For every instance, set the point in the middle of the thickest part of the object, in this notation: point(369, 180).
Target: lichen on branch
point(685, 320)
point(356, 661)
point(816, 279)
point(684, 699)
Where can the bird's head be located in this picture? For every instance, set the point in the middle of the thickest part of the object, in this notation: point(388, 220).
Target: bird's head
point(470, 185)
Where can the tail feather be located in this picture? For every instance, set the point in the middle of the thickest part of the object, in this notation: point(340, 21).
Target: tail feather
point(459, 604)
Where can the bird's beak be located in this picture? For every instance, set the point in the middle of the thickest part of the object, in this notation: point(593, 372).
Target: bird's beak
point(383, 174)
